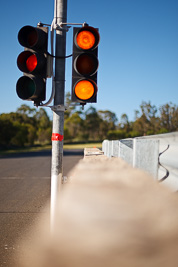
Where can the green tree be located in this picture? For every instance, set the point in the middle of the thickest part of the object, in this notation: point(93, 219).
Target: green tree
point(13, 130)
point(169, 117)
point(32, 134)
point(108, 116)
point(71, 107)
point(43, 125)
point(20, 137)
point(148, 122)
point(124, 124)
point(107, 123)
point(91, 124)
point(73, 124)
point(116, 134)
point(7, 131)
point(26, 110)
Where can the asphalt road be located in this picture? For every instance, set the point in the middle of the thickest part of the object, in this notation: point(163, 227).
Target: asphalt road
point(24, 192)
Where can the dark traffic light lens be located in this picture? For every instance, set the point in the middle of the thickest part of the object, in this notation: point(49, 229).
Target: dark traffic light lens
point(25, 87)
point(28, 36)
point(86, 64)
point(32, 38)
point(29, 87)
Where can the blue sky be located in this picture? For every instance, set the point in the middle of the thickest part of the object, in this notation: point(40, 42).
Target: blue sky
point(138, 51)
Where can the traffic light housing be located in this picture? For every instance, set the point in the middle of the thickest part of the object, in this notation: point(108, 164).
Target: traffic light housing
point(85, 64)
point(33, 63)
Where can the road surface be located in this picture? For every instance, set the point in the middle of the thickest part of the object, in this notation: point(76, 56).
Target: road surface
point(24, 192)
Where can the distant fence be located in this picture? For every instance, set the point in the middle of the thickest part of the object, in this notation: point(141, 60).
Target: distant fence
point(156, 154)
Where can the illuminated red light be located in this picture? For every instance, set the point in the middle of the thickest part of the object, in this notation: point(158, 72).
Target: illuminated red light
point(31, 63)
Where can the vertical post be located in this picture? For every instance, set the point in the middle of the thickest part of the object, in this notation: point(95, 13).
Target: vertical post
point(145, 155)
point(126, 150)
point(60, 16)
point(115, 148)
point(104, 147)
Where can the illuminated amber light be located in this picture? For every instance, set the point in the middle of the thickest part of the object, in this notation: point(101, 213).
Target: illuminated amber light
point(85, 40)
point(84, 90)
point(31, 63)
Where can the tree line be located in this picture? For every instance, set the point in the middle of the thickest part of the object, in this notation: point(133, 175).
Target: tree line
point(28, 126)
point(104, 124)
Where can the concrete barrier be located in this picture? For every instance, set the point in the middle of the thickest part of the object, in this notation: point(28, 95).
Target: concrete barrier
point(108, 214)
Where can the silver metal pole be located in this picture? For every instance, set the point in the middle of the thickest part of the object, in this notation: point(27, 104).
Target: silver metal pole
point(60, 16)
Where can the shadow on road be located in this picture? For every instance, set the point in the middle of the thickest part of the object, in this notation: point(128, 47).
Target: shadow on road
point(43, 153)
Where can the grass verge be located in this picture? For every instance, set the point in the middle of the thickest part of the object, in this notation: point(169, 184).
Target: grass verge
point(48, 147)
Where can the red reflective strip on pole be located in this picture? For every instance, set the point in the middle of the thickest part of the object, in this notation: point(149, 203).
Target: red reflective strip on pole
point(57, 137)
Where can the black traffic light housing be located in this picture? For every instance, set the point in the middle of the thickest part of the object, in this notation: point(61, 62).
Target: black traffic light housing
point(85, 64)
point(33, 63)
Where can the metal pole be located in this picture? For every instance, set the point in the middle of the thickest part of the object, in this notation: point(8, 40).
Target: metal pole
point(60, 16)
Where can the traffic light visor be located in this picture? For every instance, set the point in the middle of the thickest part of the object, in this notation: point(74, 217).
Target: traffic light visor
point(33, 37)
point(87, 38)
point(85, 89)
point(28, 36)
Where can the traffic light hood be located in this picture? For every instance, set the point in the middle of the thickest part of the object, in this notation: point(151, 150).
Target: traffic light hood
point(32, 37)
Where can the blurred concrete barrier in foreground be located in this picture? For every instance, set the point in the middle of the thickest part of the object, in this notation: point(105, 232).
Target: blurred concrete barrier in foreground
point(109, 214)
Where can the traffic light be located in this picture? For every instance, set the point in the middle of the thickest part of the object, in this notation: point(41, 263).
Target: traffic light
point(85, 64)
point(33, 63)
